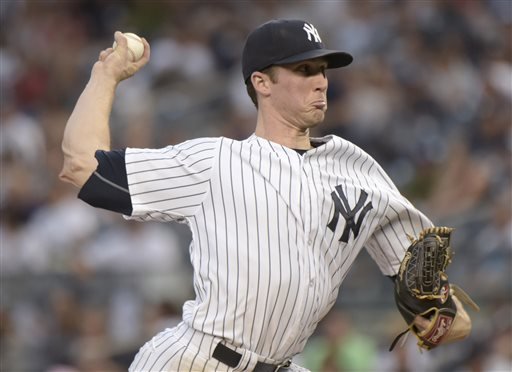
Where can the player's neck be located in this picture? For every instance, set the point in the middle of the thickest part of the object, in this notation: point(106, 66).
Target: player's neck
point(286, 135)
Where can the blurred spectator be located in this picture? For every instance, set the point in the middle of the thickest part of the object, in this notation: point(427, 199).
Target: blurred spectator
point(339, 347)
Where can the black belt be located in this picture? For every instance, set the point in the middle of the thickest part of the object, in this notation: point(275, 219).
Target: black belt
point(231, 358)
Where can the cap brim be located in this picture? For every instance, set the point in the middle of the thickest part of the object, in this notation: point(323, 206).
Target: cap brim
point(334, 58)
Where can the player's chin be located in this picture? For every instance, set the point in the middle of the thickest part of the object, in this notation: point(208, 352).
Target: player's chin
point(317, 117)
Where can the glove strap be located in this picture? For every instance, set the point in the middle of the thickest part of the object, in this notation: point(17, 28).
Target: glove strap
point(464, 297)
point(441, 323)
point(397, 338)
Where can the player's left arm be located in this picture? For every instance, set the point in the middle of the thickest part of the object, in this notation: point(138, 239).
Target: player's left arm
point(404, 232)
point(408, 248)
point(429, 303)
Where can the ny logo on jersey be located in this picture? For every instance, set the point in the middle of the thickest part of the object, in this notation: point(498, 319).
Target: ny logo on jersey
point(312, 32)
point(341, 207)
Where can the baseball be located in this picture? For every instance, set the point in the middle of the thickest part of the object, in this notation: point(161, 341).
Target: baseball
point(135, 46)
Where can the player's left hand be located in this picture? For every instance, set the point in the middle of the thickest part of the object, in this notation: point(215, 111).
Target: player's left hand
point(459, 330)
point(429, 303)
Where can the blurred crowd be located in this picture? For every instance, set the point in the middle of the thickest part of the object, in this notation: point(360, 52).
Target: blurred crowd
point(429, 96)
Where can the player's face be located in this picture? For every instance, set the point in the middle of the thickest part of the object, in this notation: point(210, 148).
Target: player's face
point(299, 93)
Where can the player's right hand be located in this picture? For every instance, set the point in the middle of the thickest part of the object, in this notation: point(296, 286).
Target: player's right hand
point(115, 64)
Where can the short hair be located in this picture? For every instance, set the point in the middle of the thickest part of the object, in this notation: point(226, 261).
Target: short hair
point(271, 72)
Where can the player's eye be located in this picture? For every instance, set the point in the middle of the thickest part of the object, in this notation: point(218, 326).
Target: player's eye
point(304, 69)
point(311, 70)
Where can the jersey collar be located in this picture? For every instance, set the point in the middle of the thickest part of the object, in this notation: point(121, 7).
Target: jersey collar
point(317, 143)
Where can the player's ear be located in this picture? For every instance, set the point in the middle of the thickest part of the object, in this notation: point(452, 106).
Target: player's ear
point(261, 83)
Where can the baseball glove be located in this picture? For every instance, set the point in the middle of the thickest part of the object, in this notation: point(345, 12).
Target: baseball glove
point(427, 301)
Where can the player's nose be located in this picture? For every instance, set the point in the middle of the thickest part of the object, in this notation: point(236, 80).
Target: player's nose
point(320, 82)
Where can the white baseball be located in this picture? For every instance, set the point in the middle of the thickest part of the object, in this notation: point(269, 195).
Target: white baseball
point(135, 46)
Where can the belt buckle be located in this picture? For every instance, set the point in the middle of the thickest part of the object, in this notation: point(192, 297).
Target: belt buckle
point(283, 365)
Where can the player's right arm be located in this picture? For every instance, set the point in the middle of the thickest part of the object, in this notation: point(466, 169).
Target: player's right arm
point(87, 129)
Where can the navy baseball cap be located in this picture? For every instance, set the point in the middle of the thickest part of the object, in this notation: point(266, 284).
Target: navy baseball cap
point(279, 42)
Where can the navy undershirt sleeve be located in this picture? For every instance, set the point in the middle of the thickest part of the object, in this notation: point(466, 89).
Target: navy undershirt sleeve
point(107, 187)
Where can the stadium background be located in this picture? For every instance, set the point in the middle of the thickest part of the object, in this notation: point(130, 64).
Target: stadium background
point(429, 96)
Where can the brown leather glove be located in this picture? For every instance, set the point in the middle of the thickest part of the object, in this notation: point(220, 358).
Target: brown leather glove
point(430, 305)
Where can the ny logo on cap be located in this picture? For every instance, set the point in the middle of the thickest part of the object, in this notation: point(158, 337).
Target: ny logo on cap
point(311, 31)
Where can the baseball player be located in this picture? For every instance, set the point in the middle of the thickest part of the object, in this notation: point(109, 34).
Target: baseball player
point(277, 219)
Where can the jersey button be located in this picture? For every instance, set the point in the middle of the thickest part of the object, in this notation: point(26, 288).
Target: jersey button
point(312, 282)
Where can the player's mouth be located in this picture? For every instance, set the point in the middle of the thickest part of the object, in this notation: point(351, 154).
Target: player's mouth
point(320, 105)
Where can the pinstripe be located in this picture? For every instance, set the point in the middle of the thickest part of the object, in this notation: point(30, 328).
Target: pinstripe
point(199, 348)
point(318, 177)
point(196, 142)
point(180, 207)
point(137, 362)
point(145, 362)
point(208, 266)
point(198, 280)
point(169, 359)
point(279, 248)
point(257, 226)
point(169, 168)
point(310, 300)
point(168, 199)
point(266, 266)
point(299, 271)
point(169, 345)
point(321, 254)
point(262, 336)
point(231, 172)
point(395, 233)
point(389, 240)
point(224, 216)
point(288, 244)
point(175, 150)
point(169, 178)
point(193, 143)
point(162, 341)
point(215, 256)
point(183, 354)
point(244, 198)
point(168, 188)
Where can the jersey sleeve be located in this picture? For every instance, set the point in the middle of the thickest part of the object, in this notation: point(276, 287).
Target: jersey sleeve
point(389, 241)
point(107, 187)
point(172, 182)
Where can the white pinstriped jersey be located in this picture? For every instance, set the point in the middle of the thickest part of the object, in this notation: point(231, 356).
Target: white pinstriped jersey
point(274, 232)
